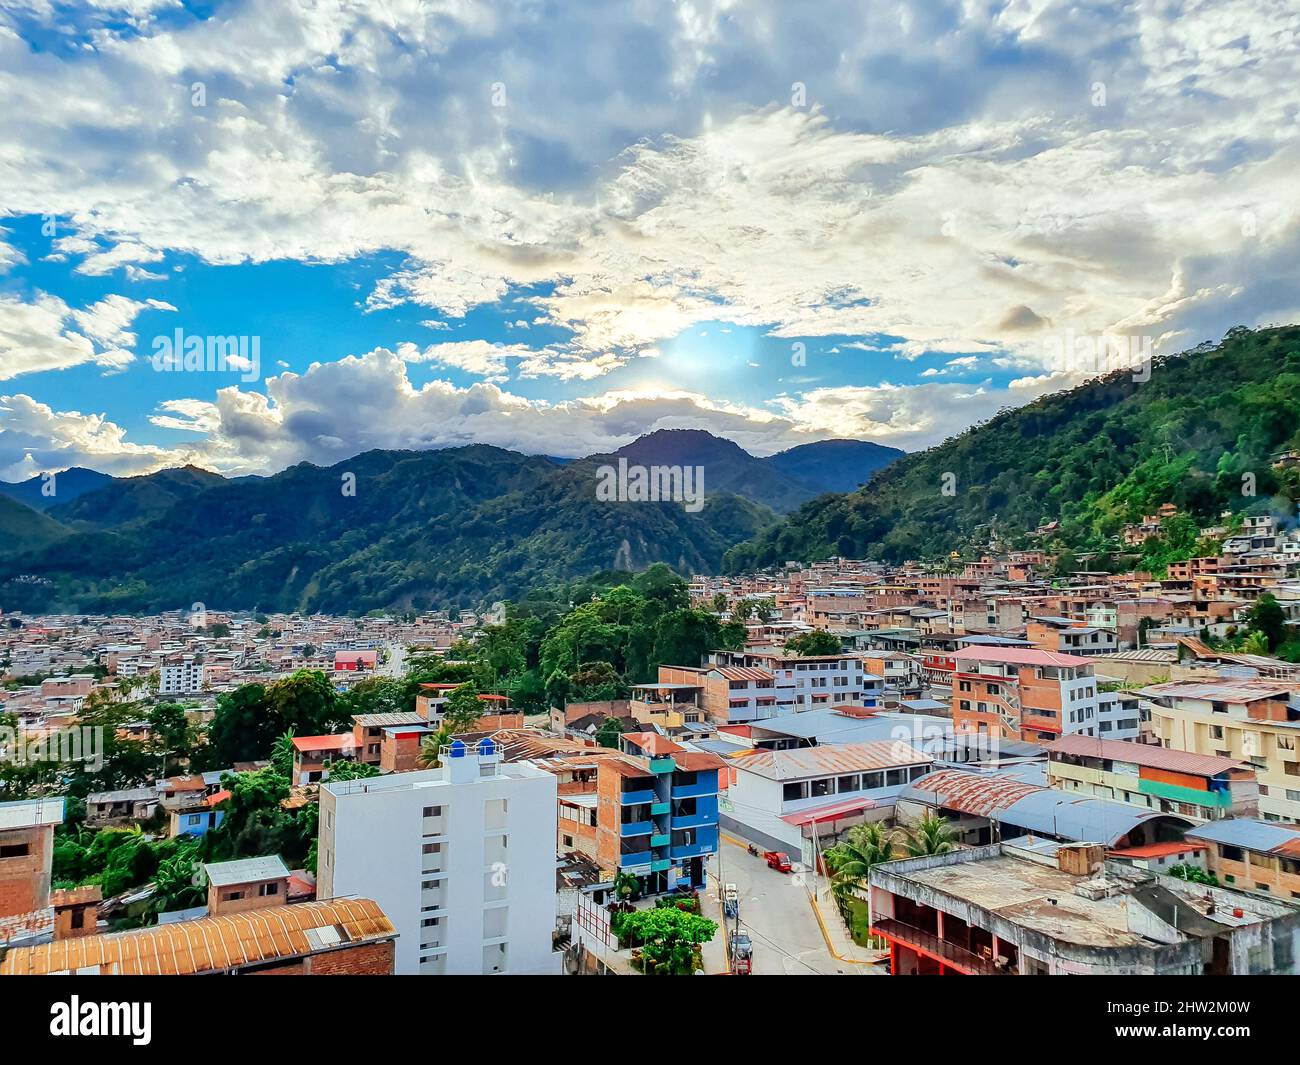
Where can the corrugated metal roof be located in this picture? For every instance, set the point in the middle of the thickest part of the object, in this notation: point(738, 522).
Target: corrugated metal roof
point(29, 813)
point(1241, 691)
point(970, 793)
point(209, 944)
point(834, 758)
point(1263, 837)
point(1021, 656)
point(743, 673)
point(246, 870)
point(1204, 765)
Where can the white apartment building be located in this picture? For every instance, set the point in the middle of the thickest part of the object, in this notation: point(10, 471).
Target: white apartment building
point(181, 678)
point(807, 683)
point(460, 858)
point(1119, 716)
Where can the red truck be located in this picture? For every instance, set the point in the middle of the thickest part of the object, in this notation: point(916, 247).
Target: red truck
point(778, 860)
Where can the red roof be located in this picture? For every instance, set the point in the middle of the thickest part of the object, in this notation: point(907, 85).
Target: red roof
point(831, 812)
point(341, 742)
point(493, 699)
point(217, 797)
point(1020, 656)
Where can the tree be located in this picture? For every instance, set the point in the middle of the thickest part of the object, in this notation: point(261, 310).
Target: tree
point(817, 642)
point(431, 748)
point(608, 732)
point(720, 601)
point(851, 861)
point(282, 754)
point(462, 709)
point(668, 937)
point(596, 682)
point(342, 769)
point(171, 730)
point(241, 729)
point(932, 835)
point(1266, 617)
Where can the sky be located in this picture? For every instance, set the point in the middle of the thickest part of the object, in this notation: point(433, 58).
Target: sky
point(554, 227)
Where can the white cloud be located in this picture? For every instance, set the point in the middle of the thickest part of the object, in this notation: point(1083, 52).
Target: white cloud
point(46, 334)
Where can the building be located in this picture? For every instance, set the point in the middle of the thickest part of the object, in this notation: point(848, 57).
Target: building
point(790, 799)
point(183, 677)
point(740, 686)
point(1005, 909)
point(1023, 693)
point(246, 884)
point(312, 755)
point(461, 858)
point(657, 812)
point(1066, 636)
point(985, 806)
point(27, 854)
point(1119, 716)
point(1202, 787)
point(1253, 855)
point(345, 937)
point(1246, 720)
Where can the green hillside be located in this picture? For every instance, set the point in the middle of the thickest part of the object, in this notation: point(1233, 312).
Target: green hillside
point(1093, 458)
point(25, 529)
point(422, 529)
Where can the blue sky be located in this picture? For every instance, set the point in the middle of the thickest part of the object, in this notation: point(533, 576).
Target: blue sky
point(555, 227)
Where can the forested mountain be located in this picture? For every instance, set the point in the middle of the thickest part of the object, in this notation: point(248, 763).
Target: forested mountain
point(834, 465)
point(1203, 433)
point(782, 481)
point(387, 528)
point(40, 493)
point(25, 529)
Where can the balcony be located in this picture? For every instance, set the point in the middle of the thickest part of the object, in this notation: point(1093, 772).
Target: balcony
point(632, 798)
point(636, 828)
point(662, 765)
point(660, 840)
point(708, 786)
point(940, 949)
point(658, 809)
point(692, 850)
point(696, 820)
point(634, 859)
point(660, 865)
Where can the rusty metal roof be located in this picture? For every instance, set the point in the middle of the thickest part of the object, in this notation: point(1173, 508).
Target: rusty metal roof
point(971, 793)
point(210, 944)
point(832, 758)
point(1147, 754)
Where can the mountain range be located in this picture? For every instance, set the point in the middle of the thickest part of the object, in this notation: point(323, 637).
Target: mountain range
point(388, 528)
point(1208, 430)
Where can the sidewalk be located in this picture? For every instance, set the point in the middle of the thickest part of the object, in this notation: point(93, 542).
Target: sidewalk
point(715, 950)
point(836, 932)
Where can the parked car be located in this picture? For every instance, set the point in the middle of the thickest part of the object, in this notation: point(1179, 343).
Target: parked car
point(730, 902)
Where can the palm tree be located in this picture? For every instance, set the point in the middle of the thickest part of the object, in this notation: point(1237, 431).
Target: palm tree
point(431, 748)
point(849, 862)
point(932, 835)
point(282, 754)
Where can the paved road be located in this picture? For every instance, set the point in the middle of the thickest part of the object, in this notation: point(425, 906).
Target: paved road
point(775, 911)
point(396, 661)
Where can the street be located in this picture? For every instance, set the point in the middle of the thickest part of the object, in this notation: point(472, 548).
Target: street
point(775, 911)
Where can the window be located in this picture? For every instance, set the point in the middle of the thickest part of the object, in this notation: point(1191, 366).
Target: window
point(797, 790)
point(269, 889)
point(15, 850)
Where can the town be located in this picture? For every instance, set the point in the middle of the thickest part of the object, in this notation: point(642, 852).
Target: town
point(1003, 763)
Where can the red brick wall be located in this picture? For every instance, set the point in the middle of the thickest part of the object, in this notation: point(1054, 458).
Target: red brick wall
point(372, 959)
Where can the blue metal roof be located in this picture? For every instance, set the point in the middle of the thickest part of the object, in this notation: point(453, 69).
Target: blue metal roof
point(1246, 832)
